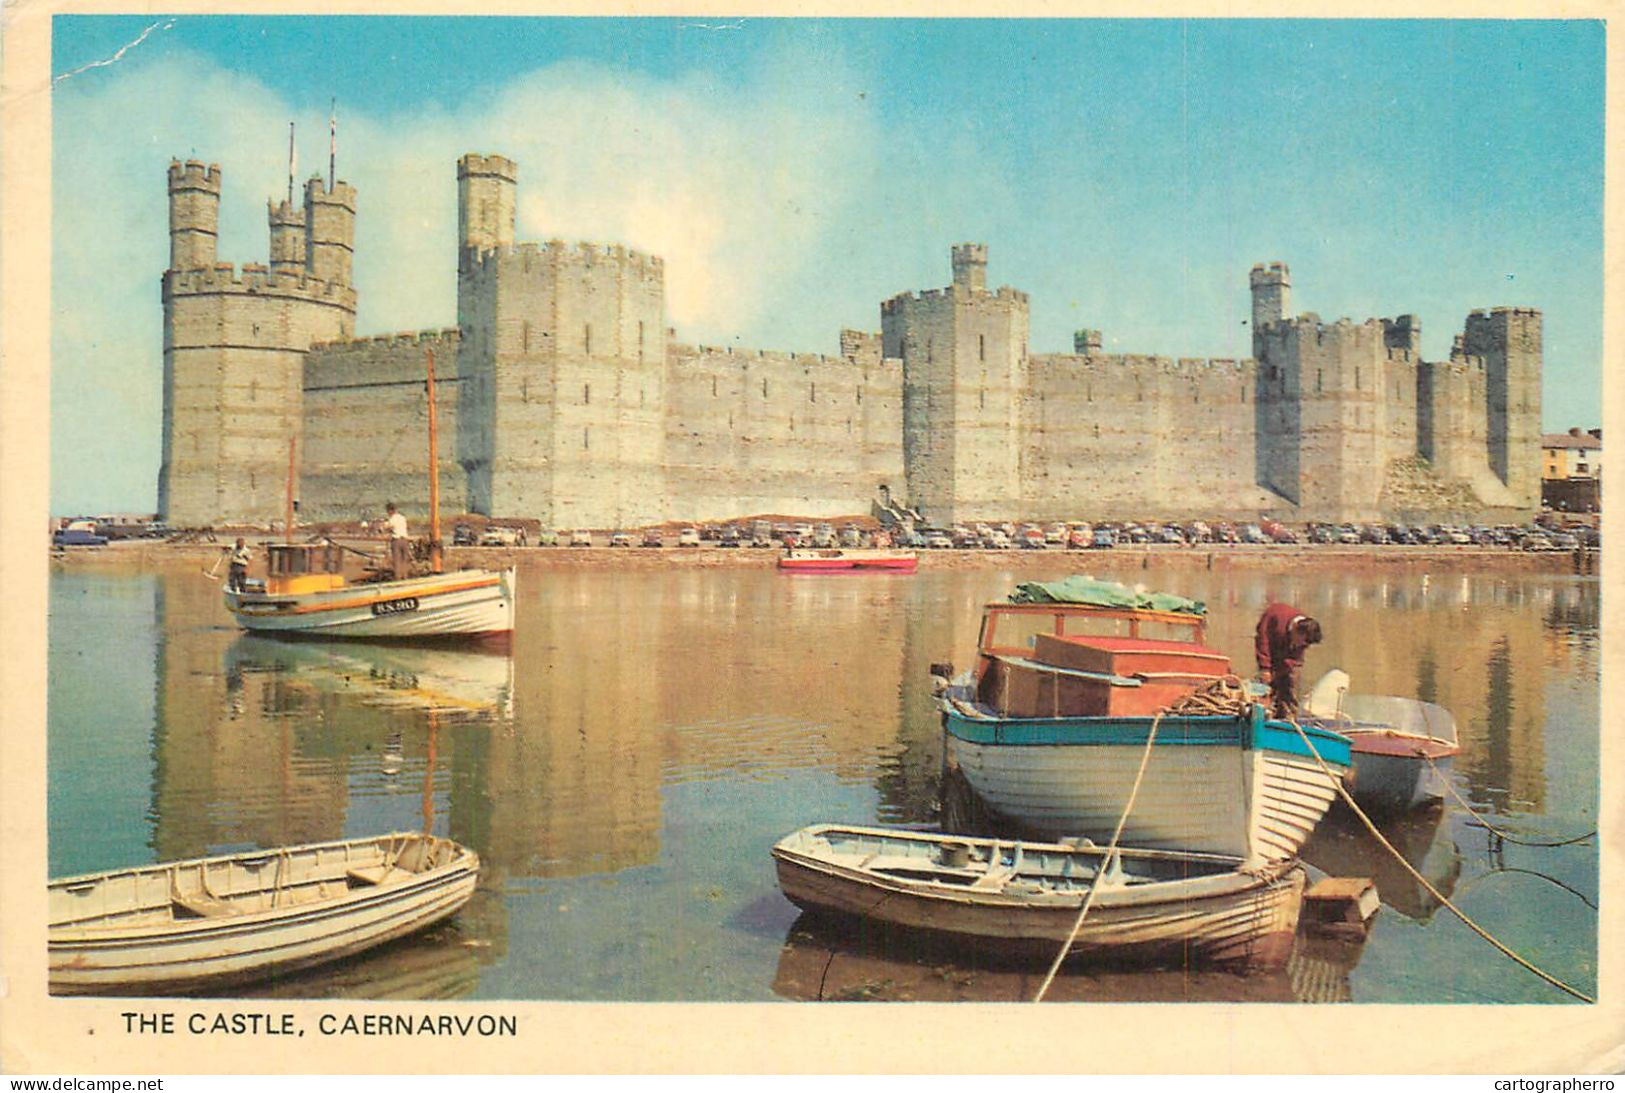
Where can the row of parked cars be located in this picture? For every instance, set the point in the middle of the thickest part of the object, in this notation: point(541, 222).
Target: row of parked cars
point(1101, 536)
point(755, 533)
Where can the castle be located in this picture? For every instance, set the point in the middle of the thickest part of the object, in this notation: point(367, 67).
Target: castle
point(564, 396)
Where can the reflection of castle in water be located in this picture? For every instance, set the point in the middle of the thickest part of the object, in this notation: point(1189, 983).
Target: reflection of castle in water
point(623, 685)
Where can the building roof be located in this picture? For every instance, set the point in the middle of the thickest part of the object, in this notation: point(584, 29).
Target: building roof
point(1570, 439)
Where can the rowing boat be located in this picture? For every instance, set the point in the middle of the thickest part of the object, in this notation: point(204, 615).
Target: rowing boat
point(195, 924)
point(1023, 898)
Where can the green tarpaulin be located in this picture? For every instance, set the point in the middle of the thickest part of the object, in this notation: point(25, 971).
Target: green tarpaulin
point(1102, 594)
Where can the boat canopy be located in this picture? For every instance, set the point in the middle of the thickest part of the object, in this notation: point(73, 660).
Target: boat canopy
point(298, 559)
point(1088, 590)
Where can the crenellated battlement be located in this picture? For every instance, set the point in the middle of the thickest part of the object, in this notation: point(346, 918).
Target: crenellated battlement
point(193, 175)
point(473, 165)
point(750, 358)
point(446, 337)
point(255, 279)
point(1120, 366)
point(341, 194)
point(284, 213)
point(556, 253)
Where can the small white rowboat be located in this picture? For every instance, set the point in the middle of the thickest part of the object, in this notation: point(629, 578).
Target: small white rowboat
point(1023, 897)
point(184, 925)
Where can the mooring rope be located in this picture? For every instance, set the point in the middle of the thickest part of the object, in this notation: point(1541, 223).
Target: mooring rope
point(1342, 791)
point(1498, 832)
point(1225, 695)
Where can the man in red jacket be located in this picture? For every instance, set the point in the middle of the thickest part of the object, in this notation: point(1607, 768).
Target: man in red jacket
point(1284, 634)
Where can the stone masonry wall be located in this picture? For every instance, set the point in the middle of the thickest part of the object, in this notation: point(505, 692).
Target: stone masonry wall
point(366, 427)
point(233, 376)
point(755, 432)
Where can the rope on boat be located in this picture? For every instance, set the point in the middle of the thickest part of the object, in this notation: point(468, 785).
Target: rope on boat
point(1499, 833)
point(1343, 792)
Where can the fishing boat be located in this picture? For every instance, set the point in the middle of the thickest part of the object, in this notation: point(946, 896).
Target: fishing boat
point(209, 921)
point(305, 591)
point(1049, 728)
point(1024, 897)
point(849, 560)
point(1403, 749)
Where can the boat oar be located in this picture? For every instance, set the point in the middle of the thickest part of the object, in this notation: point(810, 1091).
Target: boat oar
point(209, 573)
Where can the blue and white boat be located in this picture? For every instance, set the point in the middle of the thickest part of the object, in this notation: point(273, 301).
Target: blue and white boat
point(1227, 782)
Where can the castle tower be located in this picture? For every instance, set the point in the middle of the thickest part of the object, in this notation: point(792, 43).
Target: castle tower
point(1272, 297)
point(1509, 340)
point(562, 359)
point(964, 354)
point(287, 237)
point(487, 188)
point(970, 266)
point(234, 350)
point(194, 214)
point(330, 230)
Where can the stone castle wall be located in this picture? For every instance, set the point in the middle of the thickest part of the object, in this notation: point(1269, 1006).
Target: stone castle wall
point(757, 432)
point(366, 427)
point(1098, 438)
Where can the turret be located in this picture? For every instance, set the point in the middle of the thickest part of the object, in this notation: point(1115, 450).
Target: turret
point(1086, 343)
point(1509, 340)
point(330, 230)
point(194, 214)
point(486, 189)
point(1272, 297)
point(970, 266)
point(287, 237)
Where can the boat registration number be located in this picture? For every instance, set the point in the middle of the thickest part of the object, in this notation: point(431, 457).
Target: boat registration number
point(395, 607)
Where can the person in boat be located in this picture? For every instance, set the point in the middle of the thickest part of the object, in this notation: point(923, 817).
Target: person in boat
point(237, 573)
point(1284, 636)
point(400, 542)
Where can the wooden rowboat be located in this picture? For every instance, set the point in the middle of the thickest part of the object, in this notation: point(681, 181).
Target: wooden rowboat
point(1023, 898)
point(209, 921)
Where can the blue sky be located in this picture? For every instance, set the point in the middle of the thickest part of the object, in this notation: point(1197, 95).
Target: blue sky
point(794, 173)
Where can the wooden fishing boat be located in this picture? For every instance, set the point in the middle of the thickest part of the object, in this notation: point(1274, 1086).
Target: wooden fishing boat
point(306, 593)
point(1056, 748)
point(851, 560)
point(209, 921)
point(1403, 749)
point(1023, 898)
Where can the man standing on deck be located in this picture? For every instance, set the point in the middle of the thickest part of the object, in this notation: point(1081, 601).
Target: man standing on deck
point(1284, 635)
point(237, 573)
point(400, 543)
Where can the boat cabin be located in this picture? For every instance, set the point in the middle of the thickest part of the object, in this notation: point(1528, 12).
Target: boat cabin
point(1012, 629)
point(295, 568)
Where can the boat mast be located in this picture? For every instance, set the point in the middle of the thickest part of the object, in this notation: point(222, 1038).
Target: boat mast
point(435, 561)
point(287, 524)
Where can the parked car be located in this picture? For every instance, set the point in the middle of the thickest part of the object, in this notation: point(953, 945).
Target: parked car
point(996, 540)
point(1171, 534)
point(938, 540)
point(688, 537)
point(1033, 539)
point(502, 535)
point(1103, 539)
point(729, 537)
point(823, 536)
point(545, 538)
point(463, 535)
point(78, 533)
point(1252, 533)
point(852, 536)
point(621, 539)
point(1079, 539)
point(581, 538)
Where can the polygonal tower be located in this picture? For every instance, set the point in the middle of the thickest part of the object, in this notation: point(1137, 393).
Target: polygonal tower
point(1509, 340)
point(234, 349)
point(562, 358)
point(964, 354)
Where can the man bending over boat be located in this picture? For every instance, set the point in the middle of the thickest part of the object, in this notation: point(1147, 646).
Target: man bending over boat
point(1284, 636)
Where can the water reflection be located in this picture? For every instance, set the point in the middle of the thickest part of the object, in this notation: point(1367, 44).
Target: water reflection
point(650, 734)
point(830, 959)
point(1341, 846)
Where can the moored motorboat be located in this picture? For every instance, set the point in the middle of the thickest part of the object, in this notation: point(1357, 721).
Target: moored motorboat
point(1023, 898)
point(849, 560)
point(183, 925)
point(1049, 728)
point(1403, 749)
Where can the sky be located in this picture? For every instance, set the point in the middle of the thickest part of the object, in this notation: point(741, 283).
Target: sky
point(794, 173)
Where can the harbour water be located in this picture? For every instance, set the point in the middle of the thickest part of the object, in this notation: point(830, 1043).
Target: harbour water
point(624, 767)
